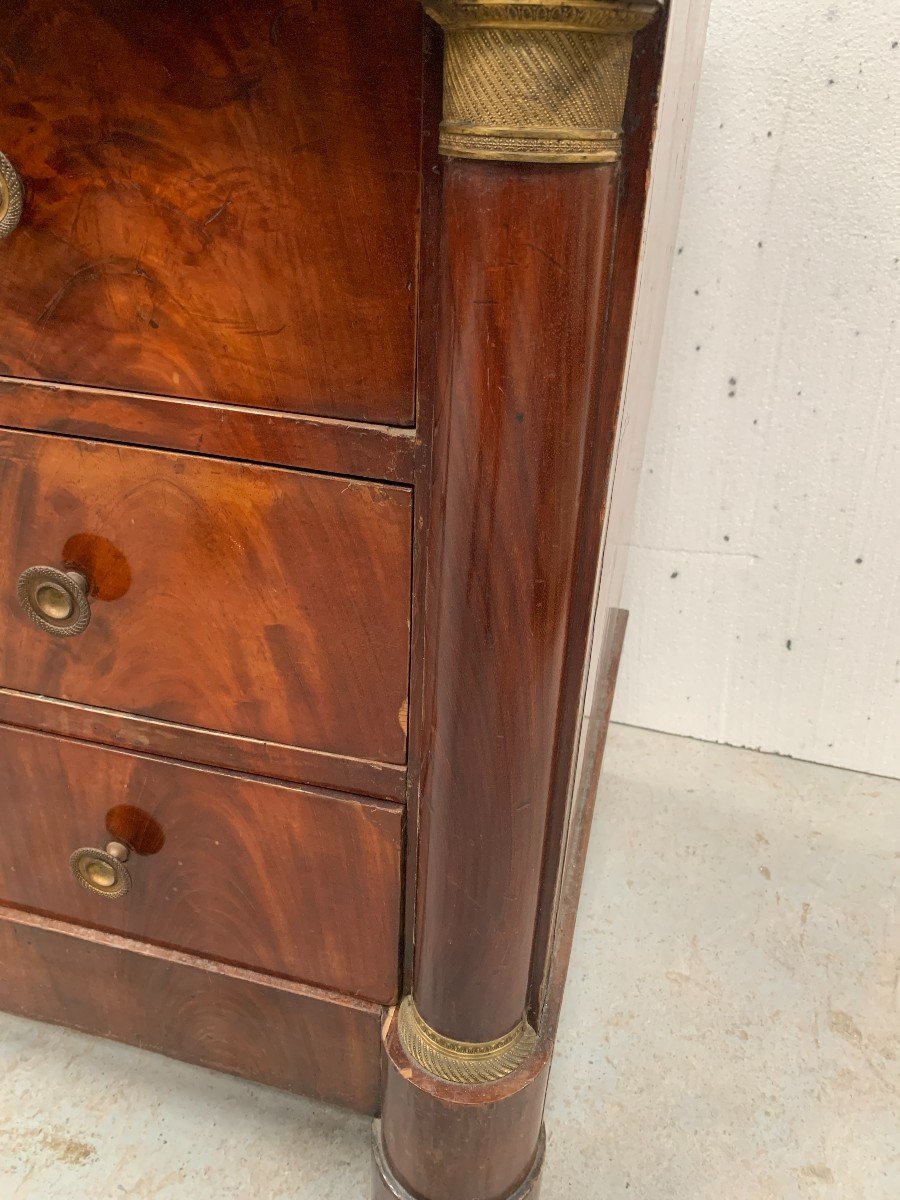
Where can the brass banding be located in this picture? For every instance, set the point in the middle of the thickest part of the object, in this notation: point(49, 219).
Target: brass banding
point(536, 82)
point(578, 16)
point(456, 1061)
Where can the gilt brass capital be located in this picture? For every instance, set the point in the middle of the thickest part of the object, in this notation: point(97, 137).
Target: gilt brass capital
point(536, 82)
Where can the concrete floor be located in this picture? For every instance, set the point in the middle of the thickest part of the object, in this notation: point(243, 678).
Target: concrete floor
point(731, 1032)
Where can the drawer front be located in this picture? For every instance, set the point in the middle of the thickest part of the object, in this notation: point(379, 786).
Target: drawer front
point(255, 601)
point(221, 200)
point(261, 875)
point(273, 1031)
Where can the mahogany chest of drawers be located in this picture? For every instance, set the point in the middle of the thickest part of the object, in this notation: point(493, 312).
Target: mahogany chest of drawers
point(318, 428)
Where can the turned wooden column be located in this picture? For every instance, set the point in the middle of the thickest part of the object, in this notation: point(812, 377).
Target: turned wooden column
point(533, 102)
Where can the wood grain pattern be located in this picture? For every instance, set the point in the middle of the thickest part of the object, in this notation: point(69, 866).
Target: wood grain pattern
point(222, 200)
point(525, 266)
point(429, 328)
point(203, 746)
point(268, 1030)
point(249, 600)
point(379, 452)
point(304, 884)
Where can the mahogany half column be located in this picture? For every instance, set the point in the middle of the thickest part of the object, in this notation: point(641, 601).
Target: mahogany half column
point(533, 103)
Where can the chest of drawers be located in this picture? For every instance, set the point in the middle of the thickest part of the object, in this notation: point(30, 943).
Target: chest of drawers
point(321, 397)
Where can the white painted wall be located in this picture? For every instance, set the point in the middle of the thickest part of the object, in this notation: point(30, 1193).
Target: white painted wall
point(764, 575)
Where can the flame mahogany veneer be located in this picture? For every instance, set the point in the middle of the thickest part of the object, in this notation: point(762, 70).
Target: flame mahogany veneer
point(302, 884)
point(287, 593)
point(208, 185)
point(328, 424)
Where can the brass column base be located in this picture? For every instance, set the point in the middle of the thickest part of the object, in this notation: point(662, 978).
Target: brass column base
point(462, 1062)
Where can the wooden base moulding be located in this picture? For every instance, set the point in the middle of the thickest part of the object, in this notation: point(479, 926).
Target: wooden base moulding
point(302, 1039)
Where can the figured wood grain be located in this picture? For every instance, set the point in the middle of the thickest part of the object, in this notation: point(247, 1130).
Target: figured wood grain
point(272, 1031)
point(324, 444)
point(222, 200)
point(244, 599)
point(300, 883)
point(203, 746)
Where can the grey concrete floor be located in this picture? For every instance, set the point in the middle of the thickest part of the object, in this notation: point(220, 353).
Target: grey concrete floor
point(731, 1031)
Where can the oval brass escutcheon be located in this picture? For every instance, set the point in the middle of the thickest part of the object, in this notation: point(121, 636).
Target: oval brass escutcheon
point(12, 197)
point(56, 601)
point(103, 872)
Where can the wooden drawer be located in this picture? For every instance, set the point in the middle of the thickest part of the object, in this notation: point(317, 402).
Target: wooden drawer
point(222, 200)
point(265, 603)
point(300, 883)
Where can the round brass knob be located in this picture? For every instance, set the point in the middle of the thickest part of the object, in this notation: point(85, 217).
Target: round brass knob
point(12, 197)
point(103, 872)
point(57, 601)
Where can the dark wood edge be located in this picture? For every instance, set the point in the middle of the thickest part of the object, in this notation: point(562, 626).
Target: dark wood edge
point(326, 445)
point(582, 818)
point(639, 127)
point(203, 747)
point(247, 1009)
point(427, 331)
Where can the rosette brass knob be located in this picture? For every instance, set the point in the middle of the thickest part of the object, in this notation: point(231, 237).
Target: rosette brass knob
point(56, 601)
point(12, 197)
point(103, 872)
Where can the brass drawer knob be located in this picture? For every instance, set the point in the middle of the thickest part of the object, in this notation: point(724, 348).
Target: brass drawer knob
point(103, 872)
point(57, 601)
point(12, 197)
